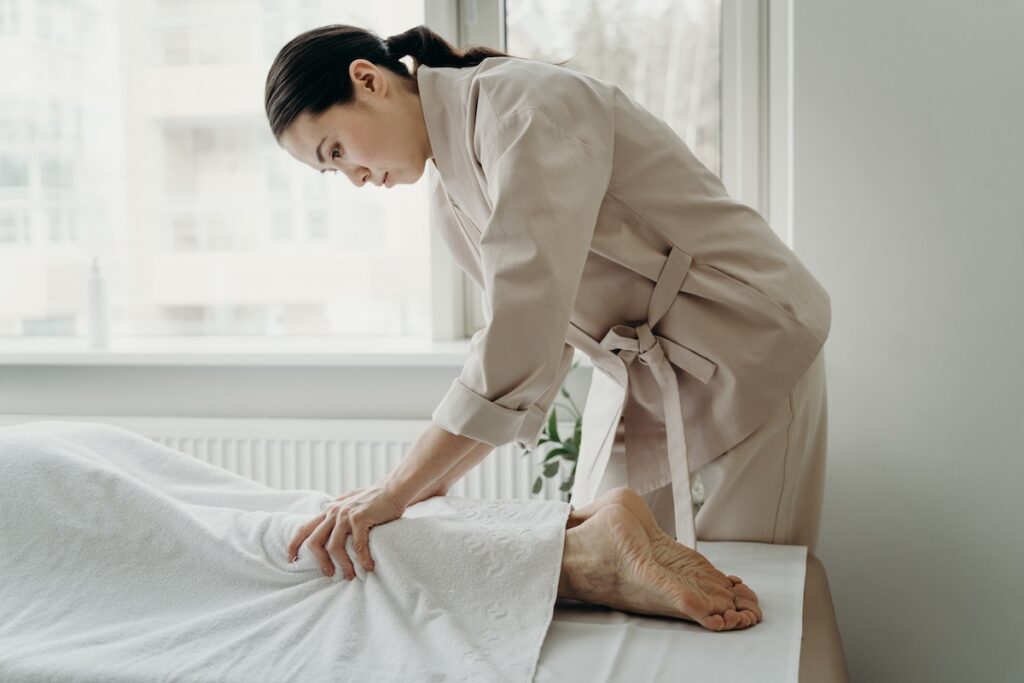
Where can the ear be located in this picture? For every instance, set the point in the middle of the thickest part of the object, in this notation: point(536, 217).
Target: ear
point(367, 78)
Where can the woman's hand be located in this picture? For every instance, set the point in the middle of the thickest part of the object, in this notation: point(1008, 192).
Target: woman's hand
point(353, 513)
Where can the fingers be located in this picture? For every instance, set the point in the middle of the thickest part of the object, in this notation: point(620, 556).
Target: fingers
point(361, 542)
point(304, 531)
point(317, 541)
point(335, 548)
point(327, 534)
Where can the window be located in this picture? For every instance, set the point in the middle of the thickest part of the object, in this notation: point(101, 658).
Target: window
point(135, 133)
point(662, 53)
point(138, 136)
point(665, 54)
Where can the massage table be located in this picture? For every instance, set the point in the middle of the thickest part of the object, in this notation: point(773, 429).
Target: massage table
point(580, 636)
point(821, 649)
point(217, 601)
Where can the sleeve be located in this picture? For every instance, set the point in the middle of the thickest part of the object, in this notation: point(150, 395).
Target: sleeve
point(546, 188)
point(536, 414)
point(443, 217)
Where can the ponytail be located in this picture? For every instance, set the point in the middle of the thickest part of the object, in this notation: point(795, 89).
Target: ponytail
point(427, 47)
point(310, 73)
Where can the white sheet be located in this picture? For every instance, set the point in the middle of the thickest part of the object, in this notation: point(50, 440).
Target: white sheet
point(591, 643)
point(124, 560)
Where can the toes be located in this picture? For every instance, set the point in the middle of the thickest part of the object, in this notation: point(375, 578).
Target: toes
point(746, 600)
point(751, 607)
point(732, 618)
point(746, 619)
point(735, 579)
point(714, 622)
point(744, 590)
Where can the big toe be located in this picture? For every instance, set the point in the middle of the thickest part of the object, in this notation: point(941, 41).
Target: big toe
point(713, 622)
point(733, 619)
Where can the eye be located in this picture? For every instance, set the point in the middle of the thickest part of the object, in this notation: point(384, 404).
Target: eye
point(335, 154)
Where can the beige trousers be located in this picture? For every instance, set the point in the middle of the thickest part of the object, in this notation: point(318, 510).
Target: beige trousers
point(769, 487)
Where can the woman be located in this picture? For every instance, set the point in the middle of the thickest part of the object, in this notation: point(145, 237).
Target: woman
point(589, 225)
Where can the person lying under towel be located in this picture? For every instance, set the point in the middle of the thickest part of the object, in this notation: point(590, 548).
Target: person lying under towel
point(121, 558)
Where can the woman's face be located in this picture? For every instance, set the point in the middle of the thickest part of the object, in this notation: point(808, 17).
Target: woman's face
point(382, 135)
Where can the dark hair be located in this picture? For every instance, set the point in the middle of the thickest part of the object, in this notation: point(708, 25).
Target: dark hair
point(310, 73)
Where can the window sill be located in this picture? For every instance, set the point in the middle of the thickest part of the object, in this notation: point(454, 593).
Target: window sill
point(238, 351)
point(285, 377)
point(234, 351)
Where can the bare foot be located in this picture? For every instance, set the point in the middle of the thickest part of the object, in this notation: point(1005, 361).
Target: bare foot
point(672, 554)
point(686, 584)
point(610, 561)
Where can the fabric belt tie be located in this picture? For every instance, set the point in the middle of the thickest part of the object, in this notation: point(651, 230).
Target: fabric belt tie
point(656, 352)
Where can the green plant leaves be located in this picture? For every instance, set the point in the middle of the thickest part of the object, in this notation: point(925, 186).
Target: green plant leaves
point(554, 453)
point(566, 450)
point(553, 425)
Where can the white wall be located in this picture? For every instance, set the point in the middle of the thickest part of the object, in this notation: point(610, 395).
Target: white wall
point(909, 205)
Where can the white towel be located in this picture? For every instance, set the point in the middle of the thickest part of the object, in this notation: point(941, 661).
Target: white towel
point(124, 560)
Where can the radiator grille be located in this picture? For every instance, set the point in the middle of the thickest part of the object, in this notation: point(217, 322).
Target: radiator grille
point(333, 456)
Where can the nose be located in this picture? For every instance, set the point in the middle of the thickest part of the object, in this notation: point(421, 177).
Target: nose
point(359, 176)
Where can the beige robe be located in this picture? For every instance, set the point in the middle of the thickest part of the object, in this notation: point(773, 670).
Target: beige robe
point(590, 224)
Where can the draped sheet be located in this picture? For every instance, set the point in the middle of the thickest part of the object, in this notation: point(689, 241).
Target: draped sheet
point(124, 560)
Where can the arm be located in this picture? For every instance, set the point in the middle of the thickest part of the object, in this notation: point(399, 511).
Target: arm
point(426, 466)
point(441, 487)
point(533, 250)
point(468, 462)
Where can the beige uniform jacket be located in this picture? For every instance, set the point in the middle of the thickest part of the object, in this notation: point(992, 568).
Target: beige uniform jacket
point(589, 224)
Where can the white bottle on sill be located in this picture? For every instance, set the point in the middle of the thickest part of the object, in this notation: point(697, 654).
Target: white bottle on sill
point(98, 311)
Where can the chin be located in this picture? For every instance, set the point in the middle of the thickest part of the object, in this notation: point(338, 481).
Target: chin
point(418, 176)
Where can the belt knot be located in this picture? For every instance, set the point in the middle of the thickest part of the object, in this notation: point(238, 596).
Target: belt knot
point(635, 341)
point(650, 350)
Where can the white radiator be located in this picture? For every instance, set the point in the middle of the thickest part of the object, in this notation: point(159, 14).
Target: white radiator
point(333, 456)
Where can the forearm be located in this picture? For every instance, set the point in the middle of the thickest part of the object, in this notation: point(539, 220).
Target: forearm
point(468, 462)
point(427, 464)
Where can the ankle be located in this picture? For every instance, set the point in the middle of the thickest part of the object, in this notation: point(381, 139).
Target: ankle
point(573, 561)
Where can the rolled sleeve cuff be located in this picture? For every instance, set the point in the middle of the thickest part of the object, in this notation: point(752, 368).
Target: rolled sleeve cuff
point(533, 424)
point(465, 412)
